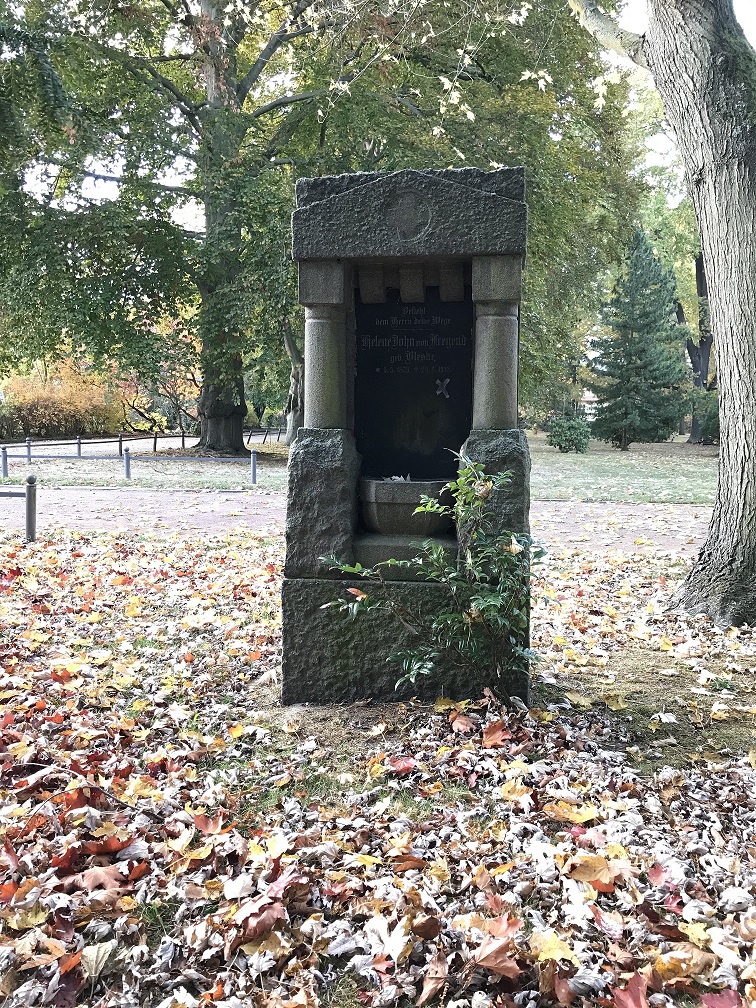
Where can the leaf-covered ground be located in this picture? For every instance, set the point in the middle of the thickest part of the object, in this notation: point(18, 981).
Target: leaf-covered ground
point(171, 837)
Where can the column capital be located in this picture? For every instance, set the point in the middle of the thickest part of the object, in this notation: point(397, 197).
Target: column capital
point(497, 309)
point(497, 278)
point(321, 282)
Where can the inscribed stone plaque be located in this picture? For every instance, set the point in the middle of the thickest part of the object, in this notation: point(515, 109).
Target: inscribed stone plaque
point(413, 385)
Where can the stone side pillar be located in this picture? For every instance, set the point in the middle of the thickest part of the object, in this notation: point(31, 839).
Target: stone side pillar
point(496, 291)
point(322, 292)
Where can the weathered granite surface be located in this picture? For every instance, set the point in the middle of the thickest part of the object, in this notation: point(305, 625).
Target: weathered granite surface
point(504, 451)
point(506, 182)
point(407, 213)
point(330, 658)
point(321, 515)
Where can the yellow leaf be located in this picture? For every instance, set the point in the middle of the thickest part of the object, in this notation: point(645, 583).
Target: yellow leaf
point(697, 932)
point(366, 859)
point(443, 704)
point(548, 945)
point(578, 700)
point(589, 867)
point(440, 870)
point(502, 869)
point(752, 758)
point(127, 903)
point(563, 812)
point(236, 731)
point(277, 844)
point(133, 606)
point(513, 790)
point(25, 919)
point(614, 701)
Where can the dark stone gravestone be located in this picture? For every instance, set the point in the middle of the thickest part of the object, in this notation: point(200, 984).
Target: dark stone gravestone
point(420, 357)
point(411, 285)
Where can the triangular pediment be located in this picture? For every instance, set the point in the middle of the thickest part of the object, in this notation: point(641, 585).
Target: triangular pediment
point(408, 214)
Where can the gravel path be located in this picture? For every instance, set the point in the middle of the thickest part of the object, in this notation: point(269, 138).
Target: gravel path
point(634, 527)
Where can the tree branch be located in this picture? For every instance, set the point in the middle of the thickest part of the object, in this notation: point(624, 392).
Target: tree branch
point(285, 100)
point(608, 33)
point(181, 190)
point(135, 63)
point(277, 39)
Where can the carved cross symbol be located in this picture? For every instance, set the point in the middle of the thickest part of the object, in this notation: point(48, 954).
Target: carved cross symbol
point(441, 387)
point(409, 216)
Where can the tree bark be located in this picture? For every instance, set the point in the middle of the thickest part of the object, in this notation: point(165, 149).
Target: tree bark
point(705, 71)
point(222, 410)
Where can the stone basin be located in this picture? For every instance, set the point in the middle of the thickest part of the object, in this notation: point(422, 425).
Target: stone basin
point(388, 506)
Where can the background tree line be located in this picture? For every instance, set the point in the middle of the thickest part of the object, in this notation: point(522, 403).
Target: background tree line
point(149, 152)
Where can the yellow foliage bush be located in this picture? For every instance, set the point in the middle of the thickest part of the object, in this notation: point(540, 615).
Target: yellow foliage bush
point(63, 401)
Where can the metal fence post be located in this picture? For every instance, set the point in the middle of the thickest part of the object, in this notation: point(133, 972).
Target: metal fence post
point(31, 508)
point(154, 444)
point(127, 463)
point(28, 450)
point(5, 462)
point(120, 445)
point(78, 446)
point(253, 465)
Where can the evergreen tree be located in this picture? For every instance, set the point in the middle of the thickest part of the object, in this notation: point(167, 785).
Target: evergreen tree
point(642, 382)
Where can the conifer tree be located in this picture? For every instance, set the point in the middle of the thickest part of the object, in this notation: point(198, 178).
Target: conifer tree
point(643, 384)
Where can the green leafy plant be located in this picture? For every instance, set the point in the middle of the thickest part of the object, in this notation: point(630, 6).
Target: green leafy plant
point(569, 434)
point(484, 623)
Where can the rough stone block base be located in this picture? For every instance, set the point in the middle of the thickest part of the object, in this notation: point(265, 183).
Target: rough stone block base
point(504, 451)
point(322, 503)
point(330, 658)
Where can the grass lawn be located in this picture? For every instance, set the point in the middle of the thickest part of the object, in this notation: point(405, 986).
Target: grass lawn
point(182, 472)
point(670, 473)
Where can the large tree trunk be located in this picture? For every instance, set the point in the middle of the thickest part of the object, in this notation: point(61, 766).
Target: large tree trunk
point(705, 71)
point(222, 410)
point(222, 406)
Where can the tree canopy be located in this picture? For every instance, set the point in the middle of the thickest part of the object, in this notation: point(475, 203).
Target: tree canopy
point(150, 155)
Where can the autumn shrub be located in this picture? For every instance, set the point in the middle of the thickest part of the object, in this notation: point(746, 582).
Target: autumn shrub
point(485, 624)
point(63, 402)
point(569, 434)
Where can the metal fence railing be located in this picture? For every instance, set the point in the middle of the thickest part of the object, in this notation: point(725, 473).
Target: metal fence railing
point(29, 455)
point(121, 439)
point(30, 493)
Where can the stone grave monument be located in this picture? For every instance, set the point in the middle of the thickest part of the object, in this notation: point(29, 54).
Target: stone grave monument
point(411, 285)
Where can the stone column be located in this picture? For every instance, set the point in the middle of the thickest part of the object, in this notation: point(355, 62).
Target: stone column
point(496, 291)
point(322, 291)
